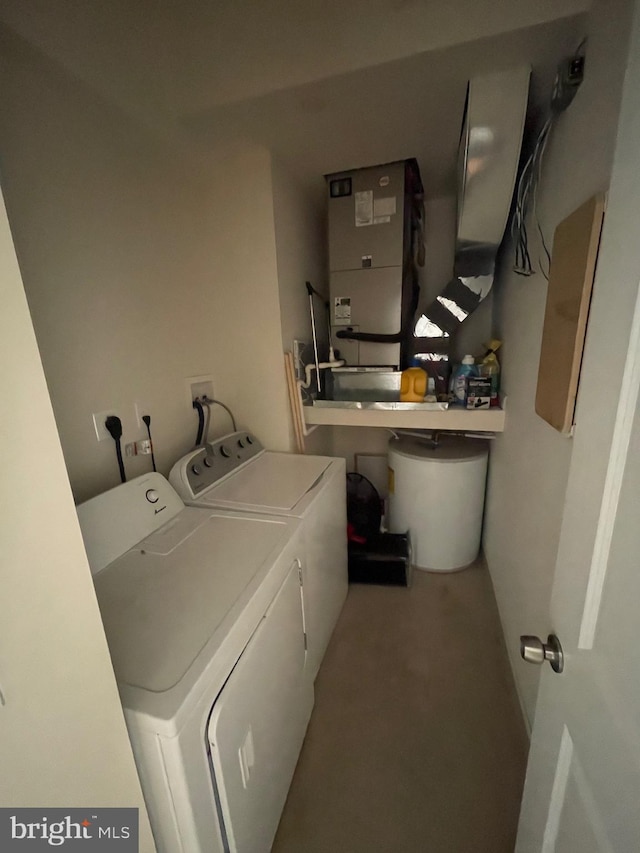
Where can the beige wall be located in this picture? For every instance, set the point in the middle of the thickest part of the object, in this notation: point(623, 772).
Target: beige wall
point(240, 294)
point(300, 230)
point(300, 234)
point(440, 244)
point(63, 740)
point(530, 461)
point(142, 268)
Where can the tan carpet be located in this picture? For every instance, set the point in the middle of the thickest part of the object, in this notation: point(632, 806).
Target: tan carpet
point(416, 743)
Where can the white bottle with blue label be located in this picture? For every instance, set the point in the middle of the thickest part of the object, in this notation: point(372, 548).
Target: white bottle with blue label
point(461, 380)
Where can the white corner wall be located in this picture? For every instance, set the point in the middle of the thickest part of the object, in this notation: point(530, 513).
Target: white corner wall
point(142, 267)
point(530, 460)
point(63, 740)
point(239, 294)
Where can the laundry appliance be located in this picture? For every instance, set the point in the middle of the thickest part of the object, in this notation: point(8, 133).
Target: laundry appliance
point(202, 610)
point(236, 473)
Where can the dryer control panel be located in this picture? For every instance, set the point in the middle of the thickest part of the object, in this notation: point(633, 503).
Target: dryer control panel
point(115, 521)
point(207, 465)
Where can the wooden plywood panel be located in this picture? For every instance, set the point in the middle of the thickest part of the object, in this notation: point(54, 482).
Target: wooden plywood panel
point(296, 414)
point(573, 264)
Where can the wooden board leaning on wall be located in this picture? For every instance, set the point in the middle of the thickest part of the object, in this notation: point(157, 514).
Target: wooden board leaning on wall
point(573, 265)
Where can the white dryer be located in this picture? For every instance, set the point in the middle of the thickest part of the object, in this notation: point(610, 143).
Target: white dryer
point(203, 615)
point(236, 473)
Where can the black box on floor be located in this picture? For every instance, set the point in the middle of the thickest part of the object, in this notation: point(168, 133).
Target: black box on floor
point(384, 559)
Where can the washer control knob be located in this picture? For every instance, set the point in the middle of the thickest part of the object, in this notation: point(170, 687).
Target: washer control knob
point(152, 496)
point(240, 443)
point(225, 451)
point(208, 462)
point(196, 469)
point(249, 440)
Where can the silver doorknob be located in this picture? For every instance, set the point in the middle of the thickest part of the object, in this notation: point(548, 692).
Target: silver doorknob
point(533, 650)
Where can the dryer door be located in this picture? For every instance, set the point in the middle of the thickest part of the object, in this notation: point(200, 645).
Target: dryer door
point(258, 724)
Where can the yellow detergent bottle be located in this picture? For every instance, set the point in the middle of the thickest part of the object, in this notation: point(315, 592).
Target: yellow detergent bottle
point(413, 384)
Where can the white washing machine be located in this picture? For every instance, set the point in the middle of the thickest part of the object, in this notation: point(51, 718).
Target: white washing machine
point(235, 472)
point(203, 614)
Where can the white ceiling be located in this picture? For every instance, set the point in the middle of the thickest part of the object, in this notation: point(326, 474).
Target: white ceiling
point(325, 84)
point(407, 108)
point(231, 50)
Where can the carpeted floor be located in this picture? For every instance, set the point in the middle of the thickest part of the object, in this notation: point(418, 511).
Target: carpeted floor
point(416, 743)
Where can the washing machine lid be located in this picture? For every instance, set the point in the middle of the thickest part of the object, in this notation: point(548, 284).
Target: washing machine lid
point(270, 483)
point(181, 589)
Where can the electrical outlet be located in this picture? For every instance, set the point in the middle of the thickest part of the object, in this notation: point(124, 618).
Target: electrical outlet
point(199, 386)
point(98, 424)
point(141, 409)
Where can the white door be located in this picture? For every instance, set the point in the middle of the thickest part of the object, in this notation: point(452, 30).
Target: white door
point(582, 791)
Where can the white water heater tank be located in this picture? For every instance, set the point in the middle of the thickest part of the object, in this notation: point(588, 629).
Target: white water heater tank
point(437, 494)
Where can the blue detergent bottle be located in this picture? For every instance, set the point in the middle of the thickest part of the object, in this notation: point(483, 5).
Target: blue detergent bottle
point(461, 376)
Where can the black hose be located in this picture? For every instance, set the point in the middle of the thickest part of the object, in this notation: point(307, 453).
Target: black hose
point(198, 406)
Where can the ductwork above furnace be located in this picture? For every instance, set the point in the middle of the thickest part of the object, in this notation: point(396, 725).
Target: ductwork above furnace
point(488, 158)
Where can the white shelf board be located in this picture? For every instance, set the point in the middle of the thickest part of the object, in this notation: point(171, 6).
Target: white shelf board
point(487, 420)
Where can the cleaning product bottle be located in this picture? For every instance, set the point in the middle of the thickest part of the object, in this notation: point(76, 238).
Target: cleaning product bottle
point(461, 378)
point(490, 367)
point(413, 383)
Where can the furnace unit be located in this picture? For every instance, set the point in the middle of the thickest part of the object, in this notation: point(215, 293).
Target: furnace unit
point(376, 225)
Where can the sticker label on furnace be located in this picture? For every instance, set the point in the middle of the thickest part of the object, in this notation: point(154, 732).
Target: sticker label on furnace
point(342, 311)
point(384, 207)
point(364, 208)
